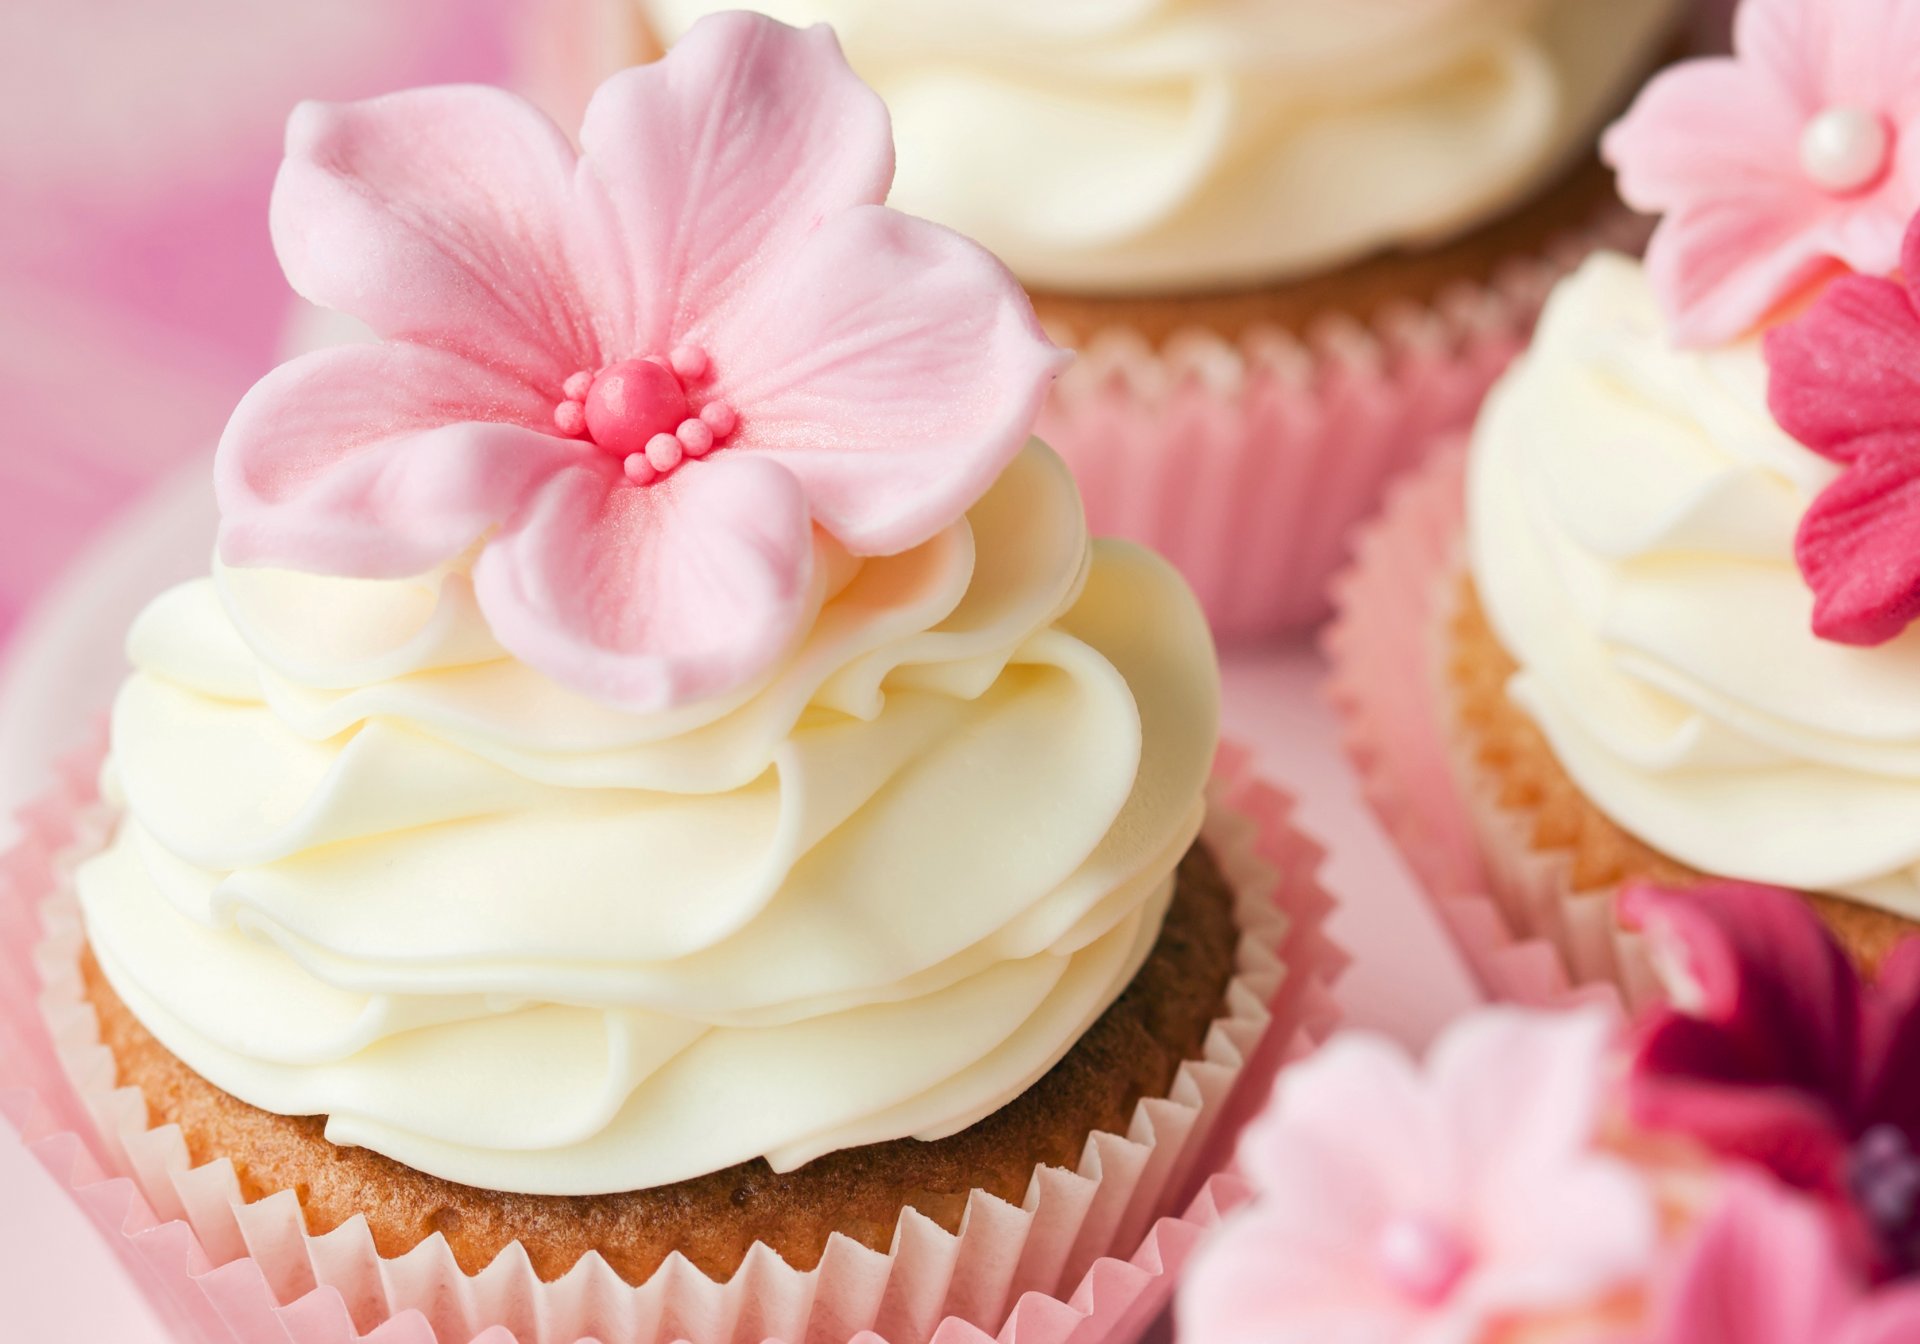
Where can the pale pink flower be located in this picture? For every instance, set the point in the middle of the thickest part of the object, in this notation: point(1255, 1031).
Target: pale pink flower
point(636, 377)
point(1793, 159)
point(1397, 1206)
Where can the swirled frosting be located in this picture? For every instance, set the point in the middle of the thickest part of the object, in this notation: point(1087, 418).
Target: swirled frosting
point(1632, 509)
point(373, 868)
point(1127, 145)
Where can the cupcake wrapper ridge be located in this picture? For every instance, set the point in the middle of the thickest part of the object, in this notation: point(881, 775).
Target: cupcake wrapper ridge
point(1089, 1258)
point(1528, 935)
point(1249, 463)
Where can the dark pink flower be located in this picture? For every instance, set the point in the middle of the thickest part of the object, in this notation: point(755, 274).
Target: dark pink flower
point(1775, 1052)
point(1765, 1269)
point(1845, 381)
point(635, 377)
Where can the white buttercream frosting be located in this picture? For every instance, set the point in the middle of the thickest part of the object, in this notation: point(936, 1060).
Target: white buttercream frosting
point(1129, 145)
point(374, 868)
point(1632, 509)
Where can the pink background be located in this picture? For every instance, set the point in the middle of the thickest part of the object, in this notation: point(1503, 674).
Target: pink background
point(139, 298)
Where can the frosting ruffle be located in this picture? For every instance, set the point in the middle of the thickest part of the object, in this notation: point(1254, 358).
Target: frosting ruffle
point(373, 868)
point(1631, 510)
point(1119, 145)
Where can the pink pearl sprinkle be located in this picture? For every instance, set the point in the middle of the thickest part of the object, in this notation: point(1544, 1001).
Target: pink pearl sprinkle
point(689, 361)
point(570, 418)
point(664, 452)
point(1422, 1258)
point(578, 386)
point(640, 471)
point(695, 437)
point(718, 417)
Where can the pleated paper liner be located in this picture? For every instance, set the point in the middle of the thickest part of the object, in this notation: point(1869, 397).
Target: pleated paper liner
point(1527, 933)
point(1249, 462)
point(1089, 1258)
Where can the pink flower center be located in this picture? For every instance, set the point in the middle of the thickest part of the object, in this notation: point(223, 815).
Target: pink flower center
point(642, 412)
point(1846, 149)
point(1421, 1258)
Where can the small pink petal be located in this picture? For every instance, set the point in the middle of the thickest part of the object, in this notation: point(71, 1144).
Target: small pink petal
point(893, 366)
point(1859, 547)
point(378, 206)
point(651, 598)
point(715, 163)
point(378, 461)
point(695, 437)
point(1765, 1269)
point(1848, 369)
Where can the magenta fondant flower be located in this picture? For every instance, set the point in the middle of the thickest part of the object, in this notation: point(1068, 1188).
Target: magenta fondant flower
point(1402, 1207)
point(1794, 158)
point(1775, 1052)
point(633, 378)
point(1845, 381)
point(1765, 1269)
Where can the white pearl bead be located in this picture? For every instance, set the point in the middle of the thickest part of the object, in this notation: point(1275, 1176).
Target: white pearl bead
point(1845, 148)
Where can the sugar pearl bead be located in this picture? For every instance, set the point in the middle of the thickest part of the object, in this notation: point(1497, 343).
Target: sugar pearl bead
point(1845, 148)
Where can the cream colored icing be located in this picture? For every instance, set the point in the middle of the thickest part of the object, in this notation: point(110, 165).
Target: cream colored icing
point(1632, 508)
point(371, 867)
point(1129, 145)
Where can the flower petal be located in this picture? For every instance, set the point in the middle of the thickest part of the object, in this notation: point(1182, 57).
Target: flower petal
point(1762, 1056)
point(1256, 1284)
point(1723, 264)
point(440, 216)
point(1521, 1090)
point(1764, 1269)
point(377, 461)
point(1704, 127)
point(1848, 368)
point(1891, 1316)
point(1859, 547)
point(893, 366)
point(646, 597)
point(716, 161)
point(1894, 1040)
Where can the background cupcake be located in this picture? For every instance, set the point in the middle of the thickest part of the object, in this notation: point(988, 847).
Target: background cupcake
point(1681, 647)
point(1291, 242)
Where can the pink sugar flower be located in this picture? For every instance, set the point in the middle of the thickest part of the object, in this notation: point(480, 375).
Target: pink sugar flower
point(1765, 1269)
point(1402, 1207)
point(635, 377)
point(1795, 158)
point(1845, 381)
point(1775, 1053)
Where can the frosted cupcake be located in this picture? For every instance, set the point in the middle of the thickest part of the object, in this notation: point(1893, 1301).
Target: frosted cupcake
point(660, 801)
point(1294, 242)
point(1681, 649)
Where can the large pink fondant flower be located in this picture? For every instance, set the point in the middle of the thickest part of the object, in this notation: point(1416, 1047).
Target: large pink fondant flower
point(1794, 158)
point(635, 376)
point(1765, 1269)
point(1845, 381)
point(1775, 1053)
point(1397, 1207)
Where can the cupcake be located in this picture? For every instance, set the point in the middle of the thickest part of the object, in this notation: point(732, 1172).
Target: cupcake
point(660, 817)
point(1734, 1169)
point(1293, 242)
point(1680, 645)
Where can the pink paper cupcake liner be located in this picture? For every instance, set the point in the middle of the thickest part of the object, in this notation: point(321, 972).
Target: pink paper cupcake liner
point(1089, 1258)
point(1513, 910)
point(1249, 463)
